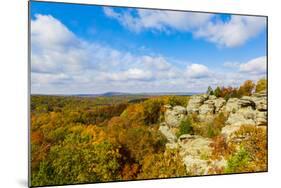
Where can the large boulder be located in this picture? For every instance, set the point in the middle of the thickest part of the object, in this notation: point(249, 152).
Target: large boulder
point(246, 101)
point(195, 145)
point(261, 118)
point(196, 151)
point(195, 166)
point(207, 108)
point(260, 102)
point(244, 116)
point(229, 129)
point(219, 104)
point(212, 97)
point(164, 129)
point(174, 116)
point(195, 102)
point(232, 105)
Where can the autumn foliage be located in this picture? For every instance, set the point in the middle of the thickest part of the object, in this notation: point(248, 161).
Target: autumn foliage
point(79, 140)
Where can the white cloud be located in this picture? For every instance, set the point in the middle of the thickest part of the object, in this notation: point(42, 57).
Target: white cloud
point(234, 32)
point(48, 32)
point(158, 19)
point(131, 74)
point(197, 71)
point(54, 48)
point(254, 66)
point(157, 62)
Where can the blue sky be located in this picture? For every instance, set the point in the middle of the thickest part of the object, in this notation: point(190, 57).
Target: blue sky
point(95, 49)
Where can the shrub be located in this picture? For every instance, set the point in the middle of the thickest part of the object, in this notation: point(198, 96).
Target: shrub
point(213, 128)
point(238, 162)
point(185, 127)
point(220, 148)
point(177, 100)
point(255, 143)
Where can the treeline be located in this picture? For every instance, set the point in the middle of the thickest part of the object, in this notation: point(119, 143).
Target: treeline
point(246, 89)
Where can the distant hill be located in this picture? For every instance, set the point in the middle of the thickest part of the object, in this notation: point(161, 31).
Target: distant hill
point(112, 93)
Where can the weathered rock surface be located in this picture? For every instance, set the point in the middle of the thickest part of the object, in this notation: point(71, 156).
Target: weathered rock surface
point(195, 145)
point(232, 105)
point(261, 118)
point(164, 129)
point(244, 116)
point(195, 102)
point(261, 101)
point(219, 104)
point(195, 151)
point(174, 115)
point(207, 108)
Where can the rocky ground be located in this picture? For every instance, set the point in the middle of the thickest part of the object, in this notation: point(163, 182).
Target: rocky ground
point(197, 149)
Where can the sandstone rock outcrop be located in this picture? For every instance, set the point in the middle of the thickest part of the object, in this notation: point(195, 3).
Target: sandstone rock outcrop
point(196, 150)
point(165, 130)
point(248, 110)
point(195, 102)
point(174, 115)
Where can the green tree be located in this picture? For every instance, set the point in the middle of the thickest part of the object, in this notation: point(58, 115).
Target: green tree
point(210, 91)
point(185, 127)
point(238, 162)
point(217, 92)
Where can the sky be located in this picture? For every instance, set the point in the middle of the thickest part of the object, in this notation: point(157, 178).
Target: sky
point(87, 49)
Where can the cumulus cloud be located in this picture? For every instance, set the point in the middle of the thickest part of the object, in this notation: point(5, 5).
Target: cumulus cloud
point(197, 71)
point(254, 66)
point(158, 20)
point(231, 32)
point(54, 48)
point(129, 75)
point(234, 32)
point(49, 32)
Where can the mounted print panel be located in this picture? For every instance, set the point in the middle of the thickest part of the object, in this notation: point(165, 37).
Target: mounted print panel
point(122, 93)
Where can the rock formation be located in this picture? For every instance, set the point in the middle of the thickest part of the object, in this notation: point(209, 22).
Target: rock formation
point(248, 110)
point(194, 149)
point(174, 115)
